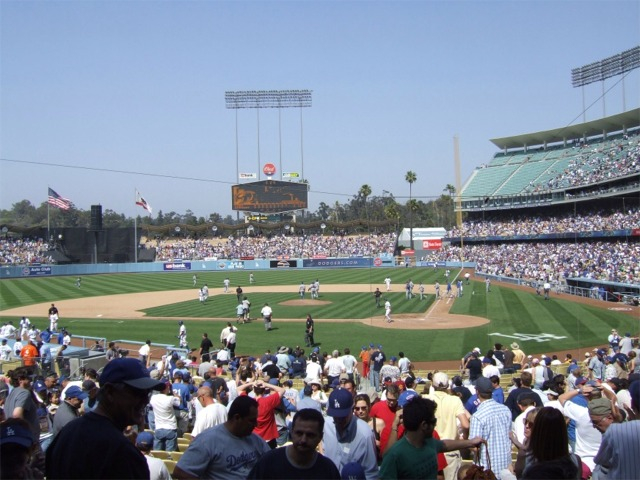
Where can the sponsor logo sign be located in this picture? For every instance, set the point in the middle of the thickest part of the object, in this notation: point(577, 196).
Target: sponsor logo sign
point(176, 266)
point(408, 252)
point(432, 244)
point(245, 176)
point(336, 262)
point(36, 271)
point(290, 175)
point(377, 262)
point(536, 337)
point(283, 263)
point(269, 169)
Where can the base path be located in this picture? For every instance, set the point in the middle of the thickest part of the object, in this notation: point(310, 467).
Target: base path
point(130, 305)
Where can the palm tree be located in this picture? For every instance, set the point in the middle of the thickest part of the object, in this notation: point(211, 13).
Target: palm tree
point(364, 192)
point(450, 189)
point(410, 177)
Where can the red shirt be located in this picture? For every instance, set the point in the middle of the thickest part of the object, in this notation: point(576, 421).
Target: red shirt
point(266, 426)
point(381, 410)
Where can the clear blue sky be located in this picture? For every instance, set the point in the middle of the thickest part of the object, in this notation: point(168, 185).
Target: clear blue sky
point(139, 86)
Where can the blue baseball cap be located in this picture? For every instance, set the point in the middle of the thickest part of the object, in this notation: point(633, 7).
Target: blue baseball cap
point(130, 372)
point(144, 440)
point(39, 386)
point(16, 434)
point(352, 471)
point(340, 403)
point(76, 392)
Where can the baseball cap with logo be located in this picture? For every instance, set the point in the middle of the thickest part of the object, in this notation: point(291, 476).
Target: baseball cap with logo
point(352, 471)
point(340, 403)
point(15, 434)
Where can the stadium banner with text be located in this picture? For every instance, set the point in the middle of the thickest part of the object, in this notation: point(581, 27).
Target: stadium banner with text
point(36, 271)
point(337, 262)
point(176, 266)
point(432, 244)
point(230, 265)
point(283, 263)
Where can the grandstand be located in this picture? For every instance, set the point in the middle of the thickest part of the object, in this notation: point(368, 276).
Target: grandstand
point(554, 166)
point(561, 205)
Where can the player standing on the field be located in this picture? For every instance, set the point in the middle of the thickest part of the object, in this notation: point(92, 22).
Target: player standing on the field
point(387, 311)
point(387, 282)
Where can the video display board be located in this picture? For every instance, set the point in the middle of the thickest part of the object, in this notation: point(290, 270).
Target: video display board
point(269, 196)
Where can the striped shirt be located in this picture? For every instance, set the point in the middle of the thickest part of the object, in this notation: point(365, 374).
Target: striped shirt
point(492, 421)
point(618, 454)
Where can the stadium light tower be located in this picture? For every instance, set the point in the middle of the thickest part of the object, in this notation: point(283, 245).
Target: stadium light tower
point(268, 99)
point(599, 71)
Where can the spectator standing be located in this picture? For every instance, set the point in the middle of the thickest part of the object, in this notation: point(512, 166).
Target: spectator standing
point(415, 454)
point(449, 412)
point(492, 422)
point(181, 390)
point(166, 424)
point(211, 414)
point(69, 408)
point(346, 439)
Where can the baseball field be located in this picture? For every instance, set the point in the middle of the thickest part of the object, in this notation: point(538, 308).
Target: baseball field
point(147, 306)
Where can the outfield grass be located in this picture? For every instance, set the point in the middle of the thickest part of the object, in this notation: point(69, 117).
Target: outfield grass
point(514, 315)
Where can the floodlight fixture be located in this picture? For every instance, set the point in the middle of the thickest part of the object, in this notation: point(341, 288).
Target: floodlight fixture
point(267, 98)
point(609, 67)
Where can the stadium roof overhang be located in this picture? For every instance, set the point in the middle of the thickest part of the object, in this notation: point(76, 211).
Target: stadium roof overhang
point(614, 123)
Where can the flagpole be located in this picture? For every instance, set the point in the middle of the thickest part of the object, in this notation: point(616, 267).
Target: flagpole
point(48, 218)
point(135, 230)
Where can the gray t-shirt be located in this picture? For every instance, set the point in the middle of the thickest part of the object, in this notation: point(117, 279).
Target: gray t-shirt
point(23, 398)
point(216, 453)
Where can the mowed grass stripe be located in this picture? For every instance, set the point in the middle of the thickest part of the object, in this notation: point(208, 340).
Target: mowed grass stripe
point(339, 306)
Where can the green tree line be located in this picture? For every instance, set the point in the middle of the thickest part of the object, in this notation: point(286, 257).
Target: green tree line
point(362, 206)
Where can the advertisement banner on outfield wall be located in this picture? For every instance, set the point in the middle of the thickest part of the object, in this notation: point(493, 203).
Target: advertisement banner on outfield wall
point(176, 266)
point(35, 271)
point(283, 263)
point(336, 262)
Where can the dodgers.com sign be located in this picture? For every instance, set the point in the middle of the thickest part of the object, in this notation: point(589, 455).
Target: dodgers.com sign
point(432, 244)
point(336, 262)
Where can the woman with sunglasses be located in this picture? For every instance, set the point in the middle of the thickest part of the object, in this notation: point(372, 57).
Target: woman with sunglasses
point(362, 409)
point(528, 421)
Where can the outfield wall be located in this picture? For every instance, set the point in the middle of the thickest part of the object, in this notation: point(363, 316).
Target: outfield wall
point(196, 266)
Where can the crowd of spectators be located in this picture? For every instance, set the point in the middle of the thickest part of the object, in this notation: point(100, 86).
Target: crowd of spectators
point(299, 246)
point(589, 407)
point(541, 224)
point(23, 251)
point(606, 261)
point(593, 164)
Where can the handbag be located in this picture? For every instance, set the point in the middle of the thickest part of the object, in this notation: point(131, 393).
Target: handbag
point(477, 471)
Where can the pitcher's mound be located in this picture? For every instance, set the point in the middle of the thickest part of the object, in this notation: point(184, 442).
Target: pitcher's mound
point(304, 303)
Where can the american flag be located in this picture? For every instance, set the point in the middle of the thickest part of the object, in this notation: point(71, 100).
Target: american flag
point(58, 201)
point(142, 202)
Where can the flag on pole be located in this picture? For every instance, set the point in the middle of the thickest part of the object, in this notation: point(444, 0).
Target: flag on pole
point(58, 201)
point(142, 202)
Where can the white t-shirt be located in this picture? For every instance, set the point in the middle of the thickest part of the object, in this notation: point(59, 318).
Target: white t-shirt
point(314, 371)
point(144, 350)
point(588, 439)
point(157, 469)
point(208, 417)
point(163, 410)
